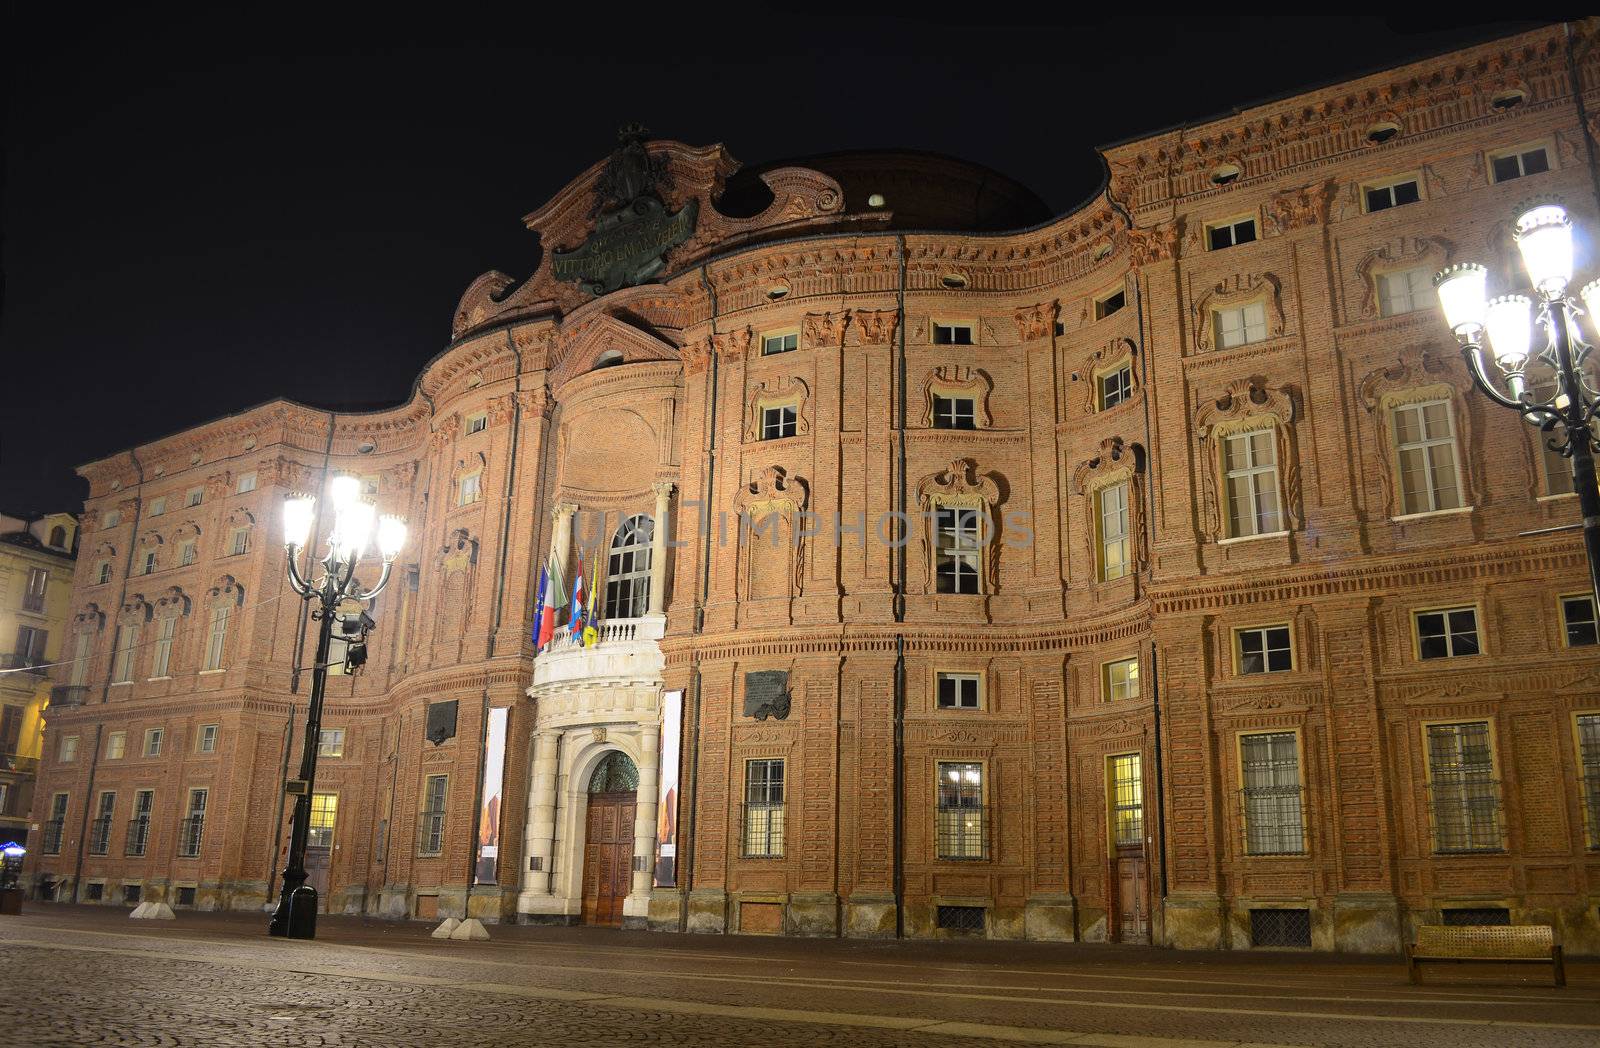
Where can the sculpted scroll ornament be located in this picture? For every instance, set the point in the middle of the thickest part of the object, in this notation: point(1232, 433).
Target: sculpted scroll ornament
point(696, 356)
point(786, 391)
point(1432, 253)
point(960, 486)
point(957, 380)
point(1249, 404)
point(1233, 293)
point(773, 499)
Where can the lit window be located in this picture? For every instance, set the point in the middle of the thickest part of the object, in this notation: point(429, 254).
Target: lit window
point(153, 738)
point(116, 745)
point(69, 749)
point(207, 740)
point(324, 813)
point(195, 497)
point(1270, 770)
point(246, 484)
point(1425, 440)
point(1125, 773)
point(958, 691)
point(1578, 618)
point(1115, 386)
point(1230, 234)
point(763, 808)
point(1463, 788)
point(1264, 649)
point(953, 413)
point(477, 423)
point(1120, 680)
point(1250, 482)
point(778, 422)
point(628, 569)
point(330, 743)
point(1112, 303)
point(1447, 633)
point(158, 506)
point(1404, 292)
point(784, 343)
point(1111, 523)
point(952, 334)
point(960, 811)
point(1518, 163)
point(1240, 326)
point(958, 554)
point(1395, 194)
point(469, 490)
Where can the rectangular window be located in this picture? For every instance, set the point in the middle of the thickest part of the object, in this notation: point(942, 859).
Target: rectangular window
point(1578, 619)
point(206, 741)
point(241, 541)
point(1240, 326)
point(958, 555)
point(1404, 292)
point(787, 342)
point(158, 506)
point(1588, 729)
point(1230, 234)
point(246, 484)
point(192, 831)
point(1126, 775)
point(330, 743)
point(80, 660)
point(1519, 162)
point(1447, 633)
point(324, 813)
point(132, 894)
point(30, 646)
point(431, 839)
point(960, 811)
point(477, 423)
point(100, 828)
point(69, 749)
point(1120, 680)
point(53, 827)
point(122, 660)
point(149, 561)
point(469, 490)
point(370, 484)
point(1115, 386)
point(1270, 772)
point(38, 583)
point(186, 553)
point(94, 891)
point(778, 422)
point(1264, 649)
point(1111, 520)
point(161, 660)
point(111, 518)
point(1394, 194)
point(102, 572)
point(1461, 782)
point(217, 638)
point(954, 413)
point(10, 728)
point(763, 808)
point(116, 745)
point(952, 334)
point(1112, 303)
point(194, 497)
point(958, 691)
point(153, 737)
point(139, 826)
point(1425, 440)
point(1250, 475)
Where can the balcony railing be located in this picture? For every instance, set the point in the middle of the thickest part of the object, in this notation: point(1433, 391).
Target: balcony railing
point(190, 831)
point(21, 660)
point(138, 836)
point(52, 837)
point(610, 631)
point(68, 694)
point(16, 762)
point(100, 835)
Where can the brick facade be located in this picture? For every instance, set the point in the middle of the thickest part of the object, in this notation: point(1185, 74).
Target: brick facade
point(1298, 335)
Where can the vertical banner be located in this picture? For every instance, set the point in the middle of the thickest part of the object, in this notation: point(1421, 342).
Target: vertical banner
point(667, 810)
point(494, 767)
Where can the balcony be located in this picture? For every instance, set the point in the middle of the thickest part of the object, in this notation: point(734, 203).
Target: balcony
point(625, 652)
point(21, 660)
point(16, 762)
point(68, 694)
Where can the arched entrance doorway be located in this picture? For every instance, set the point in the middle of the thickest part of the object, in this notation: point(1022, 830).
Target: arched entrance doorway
point(608, 842)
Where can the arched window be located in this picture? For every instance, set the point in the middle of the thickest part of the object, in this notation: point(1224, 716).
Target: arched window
point(628, 570)
point(58, 537)
point(614, 774)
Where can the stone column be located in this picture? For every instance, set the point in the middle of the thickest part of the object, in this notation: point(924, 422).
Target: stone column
point(541, 829)
point(658, 549)
point(636, 909)
point(561, 539)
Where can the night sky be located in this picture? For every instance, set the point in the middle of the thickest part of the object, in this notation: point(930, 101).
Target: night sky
point(199, 216)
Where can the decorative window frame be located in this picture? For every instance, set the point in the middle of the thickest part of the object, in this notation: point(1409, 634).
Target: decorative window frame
point(959, 486)
point(1116, 462)
point(240, 520)
point(958, 380)
point(1235, 293)
point(134, 614)
point(473, 465)
point(1248, 405)
point(772, 491)
point(1561, 616)
point(782, 392)
point(1102, 362)
point(1591, 827)
point(1420, 375)
point(1407, 253)
point(172, 604)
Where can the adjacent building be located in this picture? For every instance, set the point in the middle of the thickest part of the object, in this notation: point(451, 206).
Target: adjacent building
point(1146, 573)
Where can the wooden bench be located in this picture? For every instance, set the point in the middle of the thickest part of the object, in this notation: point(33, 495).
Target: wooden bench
point(1488, 944)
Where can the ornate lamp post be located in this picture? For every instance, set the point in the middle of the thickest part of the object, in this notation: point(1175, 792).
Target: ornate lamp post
point(355, 521)
point(1566, 403)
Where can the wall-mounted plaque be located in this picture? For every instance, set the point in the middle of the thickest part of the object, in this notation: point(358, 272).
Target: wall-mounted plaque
point(441, 721)
point(766, 693)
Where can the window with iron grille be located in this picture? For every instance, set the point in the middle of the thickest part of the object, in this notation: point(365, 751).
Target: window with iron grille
point(959, 554)
point(1250, 482)
point(139, 826)
point(958, 691)
point(185, 896)
point(431, 840)
point(94, 891)
point(131, 894)
point(1127, 800)
point(964, 919)
point(1589, 754)
point(778, 422)
point(1467, 916)
point(1280, 928)
point(960, 811)
point(1447, 633)
point(324, 811)
point(1264, 649)
point(1464, 792)
point(954, 412)
point(1116, 386)
point(192, 830)
point(100, 828)
point(1273, 814)
point(763, 808)
point(628, 569)
point(1577, 616)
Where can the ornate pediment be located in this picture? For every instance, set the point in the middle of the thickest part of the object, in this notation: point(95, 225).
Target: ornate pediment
point(584, 342)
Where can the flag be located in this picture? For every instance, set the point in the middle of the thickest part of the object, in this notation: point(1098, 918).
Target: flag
point(591, 628)
point(553, 599)
point(538, 605)
point(575, 616)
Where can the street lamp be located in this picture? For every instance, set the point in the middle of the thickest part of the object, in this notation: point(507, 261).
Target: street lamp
point(355, 521)
point(1545, 383)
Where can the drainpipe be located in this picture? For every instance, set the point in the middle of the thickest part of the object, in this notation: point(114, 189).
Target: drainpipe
point(900, 605)
point(511, 479)
point(83, 829)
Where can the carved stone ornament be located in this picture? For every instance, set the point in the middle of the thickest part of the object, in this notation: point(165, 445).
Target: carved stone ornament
point(733, 345)
point(89, 620)
point(1233, 293)
point(875, 328)
point(1301, 207)
point(958, 380)
point(460, 553)
point(173, 602)
point(134, 612)
point(1248, 405)
point(1037, 321)
point(226, 591)
point(960, 486)
point(784, 391)
point(696, 356)
point(1155, 244)
point(825, 330)
point(1432, 253)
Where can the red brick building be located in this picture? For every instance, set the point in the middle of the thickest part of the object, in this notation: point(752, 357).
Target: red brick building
point(1226, 612)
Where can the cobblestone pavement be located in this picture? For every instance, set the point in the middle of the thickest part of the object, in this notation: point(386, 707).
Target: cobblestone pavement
point(86, 975)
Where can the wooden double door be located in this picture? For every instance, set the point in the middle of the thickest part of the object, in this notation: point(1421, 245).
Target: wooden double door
point(1130, 881)
point(608, 856)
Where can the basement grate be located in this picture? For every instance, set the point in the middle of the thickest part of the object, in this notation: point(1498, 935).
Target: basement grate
point(1280, 928)
point(967, 920)
point(1465, 915)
